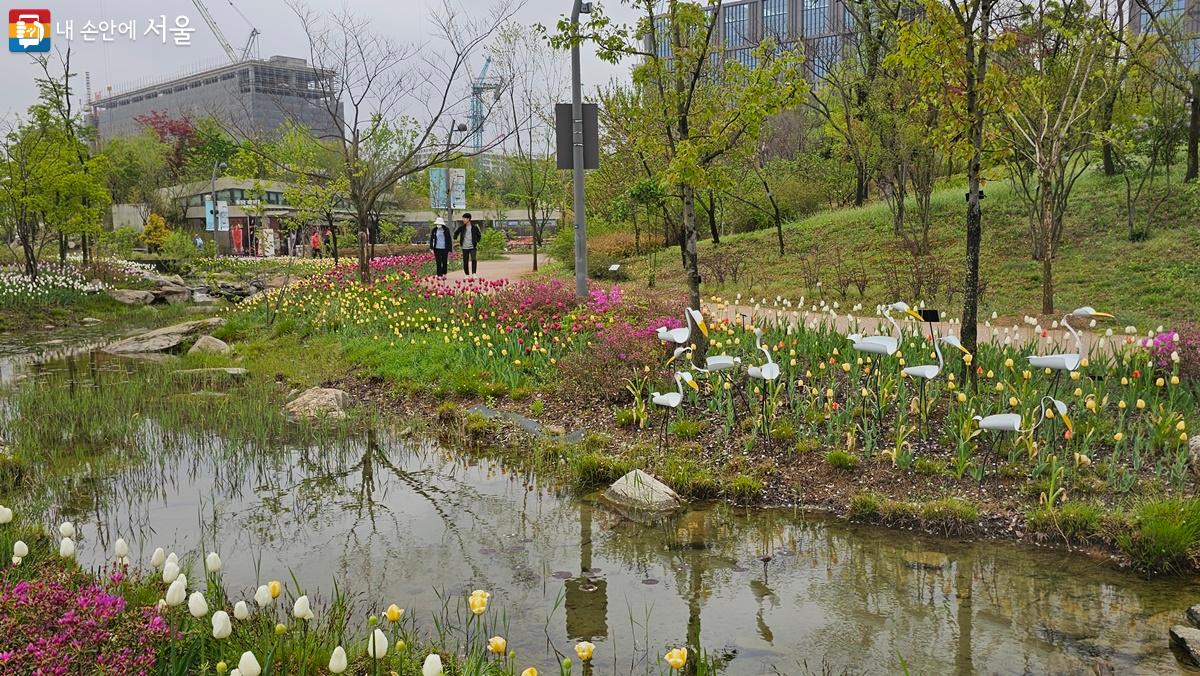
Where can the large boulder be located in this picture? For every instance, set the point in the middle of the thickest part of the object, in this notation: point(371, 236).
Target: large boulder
point(210, 345)
point(165, 338)
point(131, 296)
point(1193, 615)
point(1185, 641)
point(1194, 448)
point(641, 492)
point(165, 280)
point(174, 294)
point(319, 402)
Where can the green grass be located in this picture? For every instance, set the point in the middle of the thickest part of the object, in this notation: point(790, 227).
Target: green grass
point(686, 430)
point(838, 459)
point(1076, 521)
point(1165, 535)
point(1143, 283)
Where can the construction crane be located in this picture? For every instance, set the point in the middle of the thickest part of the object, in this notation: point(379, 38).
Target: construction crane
point(251, 48)
point(480, 85)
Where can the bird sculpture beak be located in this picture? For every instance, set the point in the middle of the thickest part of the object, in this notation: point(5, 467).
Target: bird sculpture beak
point(963, 349)
point(1067, 421)
point(703, 328)
point(673, 358)
point(692, 384)
point(1103, 314)
point(914, 315)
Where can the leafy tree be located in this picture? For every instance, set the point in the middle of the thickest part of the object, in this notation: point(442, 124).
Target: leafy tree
point(138, 171)
point(156, 232)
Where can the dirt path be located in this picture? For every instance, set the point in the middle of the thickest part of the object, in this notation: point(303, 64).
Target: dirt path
point(512, 266)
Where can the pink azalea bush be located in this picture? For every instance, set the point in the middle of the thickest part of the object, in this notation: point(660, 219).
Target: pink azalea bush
point(1182, 344)
point(64, 622)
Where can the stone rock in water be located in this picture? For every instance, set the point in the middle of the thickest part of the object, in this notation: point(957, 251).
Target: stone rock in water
point(319, 402)
point(214, 374)
point(165, 338)
point(926, 560)
point(1186, 642)
point(210, 345)
point(1193, 615)
point(1194, 449)
point(131, 296)
point(640, 491)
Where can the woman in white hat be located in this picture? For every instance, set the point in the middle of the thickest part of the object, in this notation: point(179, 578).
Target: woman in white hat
point(440, 243)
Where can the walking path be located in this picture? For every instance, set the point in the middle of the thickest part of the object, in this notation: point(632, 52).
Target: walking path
point(999, 332)
point(512, 266)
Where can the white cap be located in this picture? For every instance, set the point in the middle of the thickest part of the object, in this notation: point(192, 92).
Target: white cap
point(439, 221)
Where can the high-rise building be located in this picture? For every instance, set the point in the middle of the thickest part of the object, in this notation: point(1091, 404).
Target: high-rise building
point(822, 27)
point(251, 97)
point(1179, 18)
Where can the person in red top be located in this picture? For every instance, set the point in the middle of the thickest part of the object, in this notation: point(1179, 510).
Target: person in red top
point(315, 243)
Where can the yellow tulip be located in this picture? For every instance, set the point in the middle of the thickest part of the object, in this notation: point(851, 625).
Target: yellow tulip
point(950, 385)
point(275, 588)
point(1012, 401)
point(1078, 392)
point(529, 672)
point(1008, 363)
point(1124, 380)
point(478, 601)
point(676, 658)
point(1122, 405)
point(1074, 375)
point(497, 645)
point(1180, 426)
point(1084, 362)
point(1174, 380)
point(1118, 437)
point(1091, 405)
point(962, 397)
point(584, 650)
point(1141, 404)
point(999, 387)
point(1160, 382)
point(846, 367)
point(393, 613)
point(1183, 437)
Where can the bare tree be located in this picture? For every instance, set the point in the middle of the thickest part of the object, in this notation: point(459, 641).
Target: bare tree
point(395, 104)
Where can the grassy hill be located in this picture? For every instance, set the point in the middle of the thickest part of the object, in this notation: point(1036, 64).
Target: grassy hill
point(1143, 283)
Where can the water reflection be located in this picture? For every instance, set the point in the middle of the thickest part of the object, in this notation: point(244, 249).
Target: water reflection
point(391, 518)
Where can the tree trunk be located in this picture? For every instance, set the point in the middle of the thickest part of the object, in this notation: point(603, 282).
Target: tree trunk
point(364, 227)
point(535, 250)
point(976, 72)
point(1109, 161)
point(62, 247)
point(691, 256)
point(1193, 140)
point(83, 246)
point(1047, 235)
point(712, 217)
point(860, 183)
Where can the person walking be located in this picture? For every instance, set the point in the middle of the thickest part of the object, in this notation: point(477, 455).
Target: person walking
point(440, 243)
point(315, 243)
point(468, 234)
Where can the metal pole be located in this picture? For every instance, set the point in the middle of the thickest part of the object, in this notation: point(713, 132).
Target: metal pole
point(581, 289)
point(216, 220)
point(449, 204)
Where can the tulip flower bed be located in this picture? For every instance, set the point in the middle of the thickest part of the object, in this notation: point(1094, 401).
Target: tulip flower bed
point(836, 425)
point(174, 618)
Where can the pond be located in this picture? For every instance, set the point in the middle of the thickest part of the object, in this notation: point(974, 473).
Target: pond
point(393, 518)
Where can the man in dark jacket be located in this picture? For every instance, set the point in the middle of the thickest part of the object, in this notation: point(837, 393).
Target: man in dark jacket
point(468, 234)
point(440, 243)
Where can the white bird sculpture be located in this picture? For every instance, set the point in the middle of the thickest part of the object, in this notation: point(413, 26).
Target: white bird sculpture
point(683, 334)
point(1067, 361)
point(884, 345)
point(672, 400)
point(769, 370)
point(1011, 422)
point(712, 364)
point(927, 372)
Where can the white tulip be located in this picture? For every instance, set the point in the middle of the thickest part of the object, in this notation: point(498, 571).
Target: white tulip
point(301, 610)
point(337, 661)
point(432, 666)
point(170, 572)
point(212, 562)
point(6, 514)
point(172, 557)
point(241, 611)
point(235, 672)
point(262, 596)
point(121, 548)
point(16, 560)
point(177, 591)
point(161, 605)
point(67, 529)
point(158, 558)
point(197, 606)
point(377, 645)
point(20, 549)
point(249, 665)
point(222, 627)
point(66, 548)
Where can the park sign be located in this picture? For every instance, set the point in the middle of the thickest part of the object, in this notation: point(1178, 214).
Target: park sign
point(437, 188)
point(222, 215)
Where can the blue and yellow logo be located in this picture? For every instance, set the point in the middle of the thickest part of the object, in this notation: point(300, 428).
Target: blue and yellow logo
point(28, 30)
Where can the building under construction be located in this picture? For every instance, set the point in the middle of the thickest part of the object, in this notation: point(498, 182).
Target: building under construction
point(252, 97)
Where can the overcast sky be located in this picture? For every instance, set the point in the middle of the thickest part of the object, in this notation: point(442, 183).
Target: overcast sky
point(122, 61)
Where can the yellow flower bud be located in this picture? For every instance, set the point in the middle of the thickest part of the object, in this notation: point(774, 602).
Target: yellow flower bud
point(1013, 401)
point(394, 613)
point(1078, 392)
point(962, 397)
point(1008, 363)
point(1181, 426)
point(1141, 404)
point(1174, 380)
point(1122, 405)
point(1118, 437)
point(1124, 380)
point(846, 367)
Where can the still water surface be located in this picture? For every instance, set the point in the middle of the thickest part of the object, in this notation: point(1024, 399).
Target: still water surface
point(396, 519)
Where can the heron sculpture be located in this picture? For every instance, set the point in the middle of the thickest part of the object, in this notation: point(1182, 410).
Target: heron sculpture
point(924, 373)
point(672, 400)
point(1068, 361)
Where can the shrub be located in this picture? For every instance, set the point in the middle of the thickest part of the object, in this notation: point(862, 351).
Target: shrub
point(842, 460)
point(744, 488)
point(119, 243)
point(865, 507)
point(689, 478)
point(491, 244)
point(154, 235)
point(1182, 343)
point(599, 375)
point(1165, 535)
point(177, 246)
point(476, 424)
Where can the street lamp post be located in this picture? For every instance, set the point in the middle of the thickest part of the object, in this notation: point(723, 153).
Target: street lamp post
point(581, 289)
point(455, 126)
